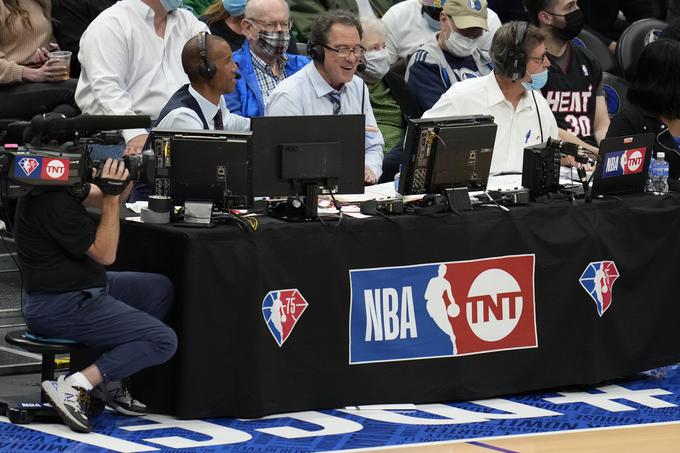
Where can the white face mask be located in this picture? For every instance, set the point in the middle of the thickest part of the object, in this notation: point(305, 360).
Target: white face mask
point(377, 64)
point(459, 45)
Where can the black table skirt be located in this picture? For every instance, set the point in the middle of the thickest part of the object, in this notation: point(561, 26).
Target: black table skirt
point(228, 363)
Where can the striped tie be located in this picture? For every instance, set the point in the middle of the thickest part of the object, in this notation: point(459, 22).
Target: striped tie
point(334, 96)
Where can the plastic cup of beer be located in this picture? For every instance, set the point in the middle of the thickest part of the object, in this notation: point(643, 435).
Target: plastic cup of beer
point(65, 57)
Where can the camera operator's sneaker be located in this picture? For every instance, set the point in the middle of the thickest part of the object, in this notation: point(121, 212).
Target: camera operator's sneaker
point(70, 403)
point(117, 396)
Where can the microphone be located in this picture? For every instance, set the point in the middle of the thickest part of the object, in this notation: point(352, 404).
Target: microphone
point(56, 125)
point(570, 149)
point(237, 76)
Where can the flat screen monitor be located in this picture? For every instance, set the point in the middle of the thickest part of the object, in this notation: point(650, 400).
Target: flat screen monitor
point(204, 165)
point(291, 152)
point(449, 152)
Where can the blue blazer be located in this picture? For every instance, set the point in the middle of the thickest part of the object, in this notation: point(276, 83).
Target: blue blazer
point(246, 100)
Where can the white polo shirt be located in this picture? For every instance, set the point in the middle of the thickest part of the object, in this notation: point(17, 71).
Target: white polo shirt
point(407, 29)
point(517, 128)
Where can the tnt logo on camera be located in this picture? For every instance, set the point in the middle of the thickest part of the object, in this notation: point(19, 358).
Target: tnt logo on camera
point(55, 169)
point(618, 163)
point(442, 309)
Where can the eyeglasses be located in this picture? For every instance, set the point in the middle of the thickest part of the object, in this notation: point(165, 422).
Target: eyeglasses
point(540, 59)
point(345, 52)
point(273, 26)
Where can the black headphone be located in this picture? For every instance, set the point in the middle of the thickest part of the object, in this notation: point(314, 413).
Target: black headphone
point(207, 68)
point(316, 52)
point(515, 64)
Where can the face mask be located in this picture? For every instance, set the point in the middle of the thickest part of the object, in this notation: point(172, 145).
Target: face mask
point(377, 64)
point(432, 24)
point(273, 43)
point(459, 45)
point(538, 81)
point(170, 5)
point(234, 7)
point(573, 26)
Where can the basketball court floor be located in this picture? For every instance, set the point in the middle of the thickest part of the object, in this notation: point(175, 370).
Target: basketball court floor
point(636, 414)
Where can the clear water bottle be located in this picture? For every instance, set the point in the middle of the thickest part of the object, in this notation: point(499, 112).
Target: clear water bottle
point(650, 170)
point(396, 180)
point(660, 175)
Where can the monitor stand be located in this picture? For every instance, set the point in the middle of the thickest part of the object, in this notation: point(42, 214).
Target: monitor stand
point(294, 210)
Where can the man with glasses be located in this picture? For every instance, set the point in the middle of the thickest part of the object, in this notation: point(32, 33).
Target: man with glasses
point(329, 86)
point(262, 60)
point(574, 88)
point(458, 52)
point(511, 94)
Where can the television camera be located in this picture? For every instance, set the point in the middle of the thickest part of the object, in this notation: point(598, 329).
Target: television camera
point(57, 153)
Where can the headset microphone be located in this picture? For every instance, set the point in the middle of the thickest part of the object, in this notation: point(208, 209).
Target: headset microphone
point(237, 76)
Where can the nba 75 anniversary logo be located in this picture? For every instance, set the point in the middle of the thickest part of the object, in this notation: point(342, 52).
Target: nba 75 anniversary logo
point(442, 309)
point(598, 281)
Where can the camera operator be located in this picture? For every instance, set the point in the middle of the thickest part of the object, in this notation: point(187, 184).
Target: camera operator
point(62, 253)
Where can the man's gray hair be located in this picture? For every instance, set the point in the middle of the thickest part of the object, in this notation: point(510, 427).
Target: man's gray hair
point(505, 42)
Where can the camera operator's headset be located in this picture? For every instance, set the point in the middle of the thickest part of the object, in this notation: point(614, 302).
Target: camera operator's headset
point(206, 68)
point(515, 65)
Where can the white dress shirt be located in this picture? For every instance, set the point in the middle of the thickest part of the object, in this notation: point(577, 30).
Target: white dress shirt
point(407, 29)
point(305, 93)
point(185, 118)
point(517, 128)
point(126, 68)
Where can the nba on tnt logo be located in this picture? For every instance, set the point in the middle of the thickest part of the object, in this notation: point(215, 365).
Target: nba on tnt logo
point(627, 162)
point(442, 309)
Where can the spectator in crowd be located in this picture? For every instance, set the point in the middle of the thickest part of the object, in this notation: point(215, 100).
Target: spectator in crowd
point(71, 18)
point(574, 88)
point(412, 23)
point(511, 94)
point(198, 7)
point(392, 101)
point(224, 19)
point(509, 10)
point(207, 61)
point(263, 60)
point(329, 85)
point(30, 81)
point(304, 12)
point(126, 68)
point(601, 17)
point(654, 96)
point(458, 52)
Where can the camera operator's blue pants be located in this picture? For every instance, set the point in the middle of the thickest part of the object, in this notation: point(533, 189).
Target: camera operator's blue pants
point(121, 319)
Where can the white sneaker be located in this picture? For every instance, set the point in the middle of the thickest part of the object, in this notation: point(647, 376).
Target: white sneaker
point(70, 403)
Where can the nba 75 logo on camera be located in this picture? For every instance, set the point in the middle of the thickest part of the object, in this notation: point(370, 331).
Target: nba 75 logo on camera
point(442, 309)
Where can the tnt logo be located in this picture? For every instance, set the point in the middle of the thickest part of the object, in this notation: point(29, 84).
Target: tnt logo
point(442, 309)
point(627, 162)
point(27, 165)
point(475, 4)
point(598, 281)
point(55, 169)
point(282, 310)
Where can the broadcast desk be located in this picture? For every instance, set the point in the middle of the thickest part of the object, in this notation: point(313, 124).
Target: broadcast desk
point(229, 362)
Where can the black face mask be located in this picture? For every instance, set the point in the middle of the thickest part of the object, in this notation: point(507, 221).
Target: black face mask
point(574, 25)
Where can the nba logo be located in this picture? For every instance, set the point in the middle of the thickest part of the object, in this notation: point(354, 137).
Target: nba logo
point(598, 281)
point(281, 311)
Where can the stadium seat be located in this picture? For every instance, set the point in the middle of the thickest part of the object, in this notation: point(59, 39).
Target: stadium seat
point(598, 48)
point(615, 92)
point(633, 40)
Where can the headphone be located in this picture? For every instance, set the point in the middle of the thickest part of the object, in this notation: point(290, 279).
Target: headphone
point(515, 64)
point(316, 52)
point(207, 68)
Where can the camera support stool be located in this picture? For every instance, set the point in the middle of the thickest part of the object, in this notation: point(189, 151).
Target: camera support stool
point(23, 409)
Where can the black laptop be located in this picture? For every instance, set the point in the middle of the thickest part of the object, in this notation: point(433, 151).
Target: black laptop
point(623, 164)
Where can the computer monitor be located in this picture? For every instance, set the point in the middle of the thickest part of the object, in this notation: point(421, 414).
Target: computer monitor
point(296, 155)
point(449, 152)
point(204, 165)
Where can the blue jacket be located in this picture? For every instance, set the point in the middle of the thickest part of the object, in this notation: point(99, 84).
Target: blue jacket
point(246, 100)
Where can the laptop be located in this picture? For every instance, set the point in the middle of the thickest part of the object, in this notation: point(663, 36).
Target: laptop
point(623, 164)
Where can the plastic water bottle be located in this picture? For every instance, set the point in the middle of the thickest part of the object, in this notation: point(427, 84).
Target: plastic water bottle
point(660, 175)
point(396, 180)
point(648, 184)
